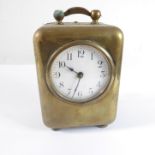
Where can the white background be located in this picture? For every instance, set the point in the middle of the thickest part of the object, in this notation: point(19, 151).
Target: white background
point(21, 128)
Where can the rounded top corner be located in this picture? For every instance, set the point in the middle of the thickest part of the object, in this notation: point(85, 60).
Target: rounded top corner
point(119, 33)
point(38, 35)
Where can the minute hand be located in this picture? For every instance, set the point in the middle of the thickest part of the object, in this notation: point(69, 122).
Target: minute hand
point(76, 87)
point(79, 75)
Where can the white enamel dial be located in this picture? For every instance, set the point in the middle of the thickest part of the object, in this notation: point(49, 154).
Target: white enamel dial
point(79, 73)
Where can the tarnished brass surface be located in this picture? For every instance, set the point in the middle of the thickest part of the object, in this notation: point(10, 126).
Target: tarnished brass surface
point(58, 113)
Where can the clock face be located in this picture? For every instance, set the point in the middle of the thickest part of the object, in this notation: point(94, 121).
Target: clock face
point(79, 73)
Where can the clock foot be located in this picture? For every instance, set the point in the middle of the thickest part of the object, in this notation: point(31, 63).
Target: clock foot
point(55, 129)
point(102, 126)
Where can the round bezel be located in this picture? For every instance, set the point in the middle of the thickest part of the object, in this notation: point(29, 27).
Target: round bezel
point(61, 49)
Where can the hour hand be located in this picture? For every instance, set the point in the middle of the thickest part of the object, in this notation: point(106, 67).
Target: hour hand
point(71, 69)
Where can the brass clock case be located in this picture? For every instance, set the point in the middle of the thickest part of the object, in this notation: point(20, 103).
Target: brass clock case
point(52, 38)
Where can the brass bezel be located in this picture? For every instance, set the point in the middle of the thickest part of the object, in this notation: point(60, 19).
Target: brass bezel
point(61, 49)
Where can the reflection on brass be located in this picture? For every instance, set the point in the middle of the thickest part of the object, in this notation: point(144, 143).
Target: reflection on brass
point(50, 39)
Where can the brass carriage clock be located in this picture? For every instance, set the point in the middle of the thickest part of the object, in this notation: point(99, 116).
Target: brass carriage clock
point(78, 67)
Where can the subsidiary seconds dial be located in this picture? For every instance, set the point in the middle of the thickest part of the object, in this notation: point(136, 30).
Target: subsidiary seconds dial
point(80, 73)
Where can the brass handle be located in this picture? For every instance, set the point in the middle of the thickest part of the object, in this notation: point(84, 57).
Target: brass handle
point(94, 14)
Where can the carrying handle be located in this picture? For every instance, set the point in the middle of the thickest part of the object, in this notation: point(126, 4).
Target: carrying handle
point(94, 14)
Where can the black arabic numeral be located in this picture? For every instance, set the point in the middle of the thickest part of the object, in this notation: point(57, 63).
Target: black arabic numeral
point(81, 53)
point(90, 91)
point(69, 91)
point(100, 63)
point(102, 73)
point(69, 56)
point(61, 84)
point(57, 74)
point(79, 93)
point(62, 64)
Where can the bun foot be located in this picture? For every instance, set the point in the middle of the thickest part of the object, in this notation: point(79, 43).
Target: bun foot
point(55, 129)
point(102, 126)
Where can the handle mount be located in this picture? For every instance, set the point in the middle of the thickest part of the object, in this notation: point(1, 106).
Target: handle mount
point(94, 14)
